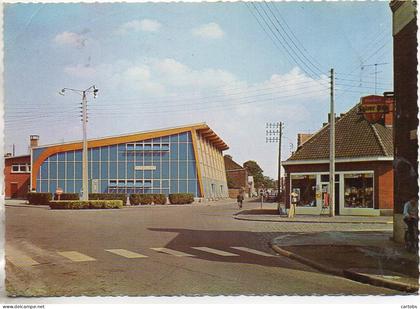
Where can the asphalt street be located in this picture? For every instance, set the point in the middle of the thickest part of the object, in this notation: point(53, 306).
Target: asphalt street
point(161, 250)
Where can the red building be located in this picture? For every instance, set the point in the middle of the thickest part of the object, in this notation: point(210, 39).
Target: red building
point(364, 170)
point(236, 175)
point(17, 172)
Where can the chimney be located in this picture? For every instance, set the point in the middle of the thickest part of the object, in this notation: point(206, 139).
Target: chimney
point(389, 101)
point(8, 155)
point(33, 140)
point(302, 137)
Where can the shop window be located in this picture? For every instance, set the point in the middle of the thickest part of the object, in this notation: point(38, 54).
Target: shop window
point(358, 190)
point(326, 178)
point(305, 188)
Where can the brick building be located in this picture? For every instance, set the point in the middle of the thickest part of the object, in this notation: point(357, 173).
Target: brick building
point(236, 175)
point(364, 171)
point(17, 172)
point(406, 109)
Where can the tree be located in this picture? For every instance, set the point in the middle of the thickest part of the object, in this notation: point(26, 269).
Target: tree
point(255, 170)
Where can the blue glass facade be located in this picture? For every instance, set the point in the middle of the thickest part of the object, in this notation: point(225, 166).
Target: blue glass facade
point(159, 165)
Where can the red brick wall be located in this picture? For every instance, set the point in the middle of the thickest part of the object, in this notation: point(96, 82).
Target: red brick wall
point(239, 178)
point(22, 179)
point(383, 178)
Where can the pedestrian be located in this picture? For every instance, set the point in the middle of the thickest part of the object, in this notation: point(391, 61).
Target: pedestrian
point(411, 218)
point(240, 197)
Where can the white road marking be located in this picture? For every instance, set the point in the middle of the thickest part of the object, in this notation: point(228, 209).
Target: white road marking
point(126, 253)
point(76, 256)
point(215, 251)
point(19, 259)
point(253, 251)
point(171, 252)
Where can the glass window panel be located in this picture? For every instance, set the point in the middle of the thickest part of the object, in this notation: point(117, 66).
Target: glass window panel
point(70, 156)
point(38, 185)
point(53, 185)
point(15, 168)
point(139, 147)
point(305, 189)
point(147, 184)
point(147, 156)
point(112, 183)
point(174, 151)
point(78, 186)
point(190, 152)
point(95, 153)
point(183, 137)
point(165, 155)
point(130, 183)
point(183, 151)
point(70, 186)
point(139, 174)
point(139, 158)
point(104, 170)
point(61, 157)
point(95, 170)
point(156, 140)
point(358, 190)
point(192, 171)
point(78, 155)
point(147, 174)
point(121, 183)
point(156, 183)
point(183, 170)
point(156, 172)
point(174, 186)
point(121, 170)
point(53, 158)
point(164, 139)
point(130, 147)
point(112, 170)
point(192, 187)
point(61, 170)
point(129, 155)
point(44, 186)
point(53, 170)
point(147, 147)
point(113, 153)
point(122, 153)
point(183, 186)
point(174, 138)
point(138, 184)
point(156, 147)
point(130, 169)
point(62, 184)
point(89, 155)
point(165, 147)
point(70, 170)
point(165, 191)
point(165, 170)
point(104, 186)
point(78, 171)
point(165, 183)
point(174, 170)
point(104, 153)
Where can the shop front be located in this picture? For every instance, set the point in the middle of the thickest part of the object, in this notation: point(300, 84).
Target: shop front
point(354, 193)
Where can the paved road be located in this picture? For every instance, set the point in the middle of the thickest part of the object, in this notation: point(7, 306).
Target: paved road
point(163, 250)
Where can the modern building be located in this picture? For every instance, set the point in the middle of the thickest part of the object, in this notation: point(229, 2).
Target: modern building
point(175, 160)
point(364, 171)
point(406, 122)
point(17, 171)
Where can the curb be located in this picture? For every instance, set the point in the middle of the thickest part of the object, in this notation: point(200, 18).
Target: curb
point(348, 274)
point(303, 221)
point(28, 206)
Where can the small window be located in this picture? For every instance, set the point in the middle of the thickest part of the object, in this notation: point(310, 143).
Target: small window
point(130, 147)
point(130, 183)
point(147, 183)
point(139, 184)
point(15, 168)
point(156, 147)
point(112, 183)
point(121, 183)
point(165, 147)
point(139, 147)
point(147, 147)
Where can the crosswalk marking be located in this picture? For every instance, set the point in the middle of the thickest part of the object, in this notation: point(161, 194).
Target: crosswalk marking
point(19, 259)
point(252, 251)
point(215, 251)
point(126, 253)
point(76, 256)
point(171, 252)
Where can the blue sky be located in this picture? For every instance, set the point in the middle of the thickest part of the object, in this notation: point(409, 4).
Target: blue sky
point(166, 64)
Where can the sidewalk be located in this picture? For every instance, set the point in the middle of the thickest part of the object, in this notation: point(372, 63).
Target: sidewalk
point(269, 213)
point(368, 257)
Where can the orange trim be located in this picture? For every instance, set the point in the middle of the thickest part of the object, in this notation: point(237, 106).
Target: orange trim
point(197, 160)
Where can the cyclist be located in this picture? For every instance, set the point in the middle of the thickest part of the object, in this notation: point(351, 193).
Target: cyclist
point(411, 218)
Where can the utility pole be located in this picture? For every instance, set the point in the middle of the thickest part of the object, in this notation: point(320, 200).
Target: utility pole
point(84, 116)
point(274, 135)
point(376, 71)
point(332, 147)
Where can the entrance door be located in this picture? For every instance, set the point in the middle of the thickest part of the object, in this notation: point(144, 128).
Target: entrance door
point(13, 190)
point(337, 198)
point(325, 198)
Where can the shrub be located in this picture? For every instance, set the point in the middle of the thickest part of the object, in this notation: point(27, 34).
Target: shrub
point(96, 204)
point(108, 196)
point(181, 198)
point(37, 198)
point(147, 199)
point(159, 199)
point(68, 196)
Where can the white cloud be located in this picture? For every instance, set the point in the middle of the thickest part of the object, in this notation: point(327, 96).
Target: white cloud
point(146, 25)
point(70, 39)
point(209, 31)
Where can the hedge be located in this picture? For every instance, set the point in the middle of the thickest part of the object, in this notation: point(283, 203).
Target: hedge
point(97, 204)
point(109, 196)
point(147, 199)
point(181, 198)
point(68, 196)
point(37, 198)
